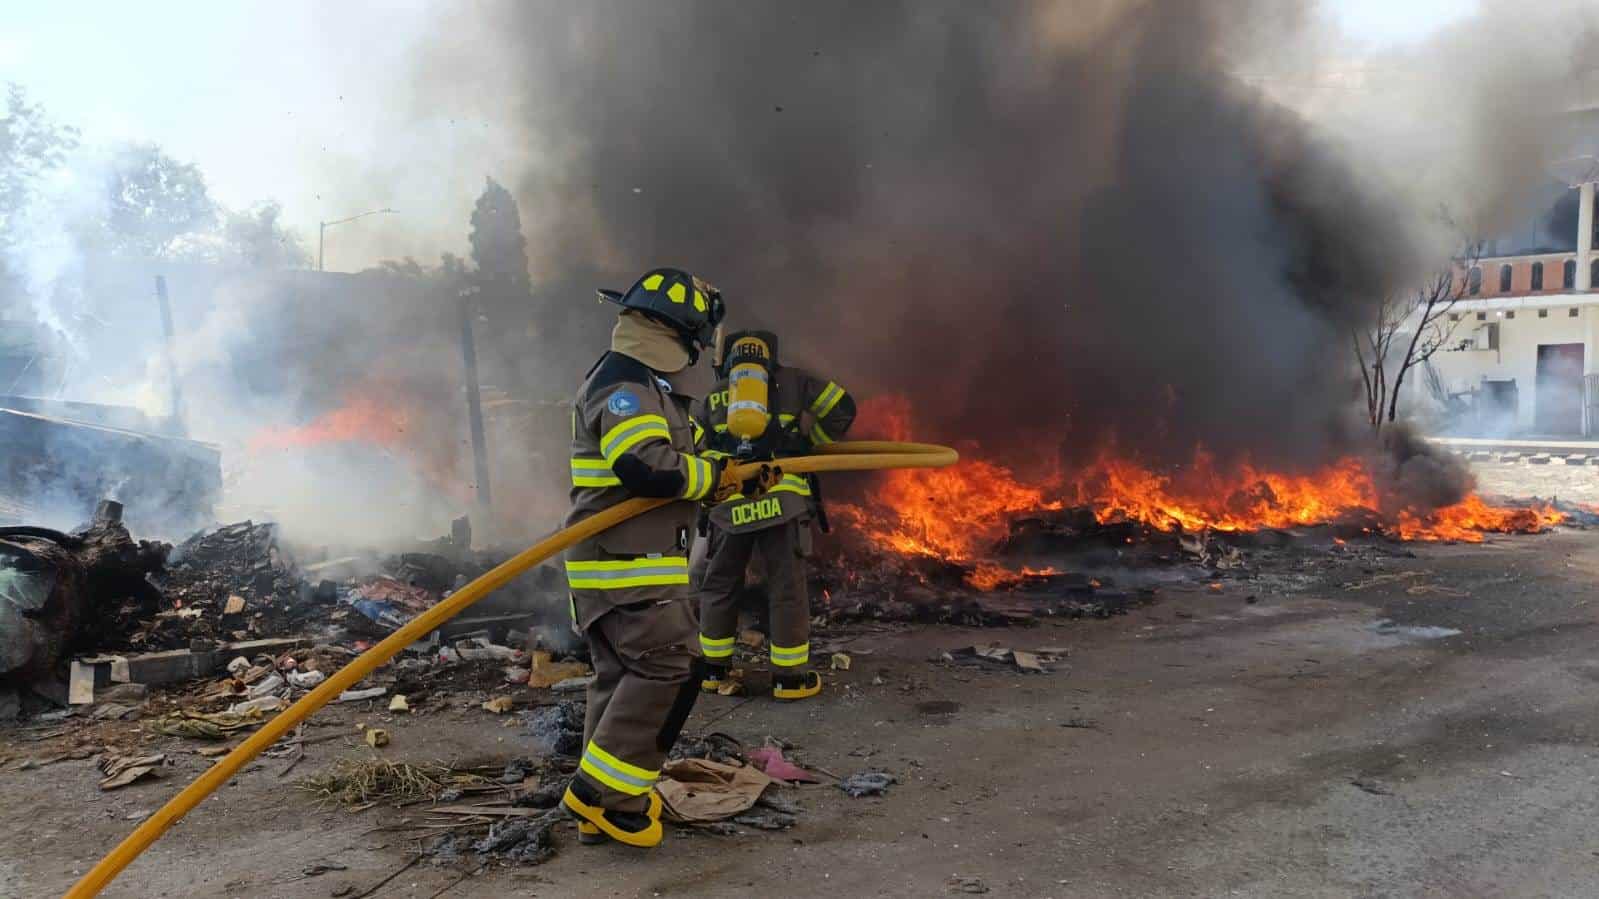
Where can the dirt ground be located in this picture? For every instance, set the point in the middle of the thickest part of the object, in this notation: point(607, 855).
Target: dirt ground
point(1271, 739)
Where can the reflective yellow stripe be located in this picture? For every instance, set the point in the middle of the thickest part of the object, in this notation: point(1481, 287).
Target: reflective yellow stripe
point(789, 656)
point(721, 428)
point(784, 419)
point(699, 432)
point(619, 574)
point(827, 399)
point(713, 454)
point(792, 483)
point(588, 472)
point(714, 648)
point(677, 293)
point(653, 282)
point(626, 435)
point(698, 477)
point(707, 478)
point(691, 477)
point(819, 436)
point(615, 773)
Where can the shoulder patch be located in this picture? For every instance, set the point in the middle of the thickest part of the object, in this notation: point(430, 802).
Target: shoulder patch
point(622, 402)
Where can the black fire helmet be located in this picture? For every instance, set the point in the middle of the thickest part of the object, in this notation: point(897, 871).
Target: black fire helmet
point(691, 307)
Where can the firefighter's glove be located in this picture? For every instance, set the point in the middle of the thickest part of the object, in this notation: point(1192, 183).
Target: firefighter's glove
point(728, 481)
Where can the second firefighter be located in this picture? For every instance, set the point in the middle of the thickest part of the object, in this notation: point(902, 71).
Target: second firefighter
point(760, 409)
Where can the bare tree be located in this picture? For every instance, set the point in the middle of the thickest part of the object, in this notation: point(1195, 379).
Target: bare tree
point(1407, 328)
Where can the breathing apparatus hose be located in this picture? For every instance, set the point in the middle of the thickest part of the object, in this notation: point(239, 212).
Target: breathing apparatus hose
point(844, 456)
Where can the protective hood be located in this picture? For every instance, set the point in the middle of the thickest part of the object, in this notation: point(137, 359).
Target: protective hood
point(650, 342)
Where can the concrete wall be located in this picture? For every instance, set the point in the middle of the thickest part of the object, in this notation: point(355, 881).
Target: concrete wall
point(1521, 332)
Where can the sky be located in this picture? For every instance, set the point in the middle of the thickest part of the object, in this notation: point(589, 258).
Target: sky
point(292, 100)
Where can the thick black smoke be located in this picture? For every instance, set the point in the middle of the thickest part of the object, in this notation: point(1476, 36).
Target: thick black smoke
point(1044, 237)
point(1052, 226)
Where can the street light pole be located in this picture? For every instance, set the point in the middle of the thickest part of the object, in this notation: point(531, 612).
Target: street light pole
point(322, 231)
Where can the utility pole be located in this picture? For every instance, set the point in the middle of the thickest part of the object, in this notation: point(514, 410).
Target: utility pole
point(322, 231)
point(474, 409)
point(171, 352)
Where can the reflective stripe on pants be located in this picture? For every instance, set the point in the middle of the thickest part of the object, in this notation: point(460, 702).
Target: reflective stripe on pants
point(620, 574)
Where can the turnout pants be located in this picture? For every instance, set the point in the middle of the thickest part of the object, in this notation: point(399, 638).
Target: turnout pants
point(784, 549)
point(645, 683)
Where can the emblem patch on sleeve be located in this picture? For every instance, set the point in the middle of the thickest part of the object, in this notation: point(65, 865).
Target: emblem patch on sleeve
point(622, 402)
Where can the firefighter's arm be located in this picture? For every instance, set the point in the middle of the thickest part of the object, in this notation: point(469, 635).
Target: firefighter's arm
point(637, 444)
point(831, 410)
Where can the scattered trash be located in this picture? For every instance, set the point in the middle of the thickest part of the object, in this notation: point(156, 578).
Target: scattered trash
point(204, 726)
point(752, 639)
point(260, 704)
point(121, 770)
point(1027, 661)
point(573, 684)
point(361, 783)
point(867, 783)
point(376, 737)
point(766, 820)
point(770, 760)
point(499, 705)
point(698, 790)
point(968, 885)
point(840, 661)
point(547, 673)
point(305, 680)
point(234, 605)
point(558, 729)
point(398, 704)
point(266, 686)
point(358, 695)
point(520, 840)
point(1024, 660)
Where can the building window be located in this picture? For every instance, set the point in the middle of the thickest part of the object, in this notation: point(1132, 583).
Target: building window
point(1454, 316)
point(1543, 313)
point(1474, 280)
point(1572, 312)
point(1537, 276)
point(1568, 278)
point(1510, 313)
point(1593, 274)
point(1482, 316)
point(1504, 279)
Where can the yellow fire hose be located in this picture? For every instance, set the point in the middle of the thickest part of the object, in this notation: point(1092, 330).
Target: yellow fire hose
point(848, 456)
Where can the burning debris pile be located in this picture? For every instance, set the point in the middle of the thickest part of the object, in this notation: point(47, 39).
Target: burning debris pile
point(962, 519)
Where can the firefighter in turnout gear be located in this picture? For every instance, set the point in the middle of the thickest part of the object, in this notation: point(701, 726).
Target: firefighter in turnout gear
point(630, 594)
point(762, 410)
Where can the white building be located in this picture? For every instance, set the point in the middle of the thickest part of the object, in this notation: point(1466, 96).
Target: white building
point(1524, 355)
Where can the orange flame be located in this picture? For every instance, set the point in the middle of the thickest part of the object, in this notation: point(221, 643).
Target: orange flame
point(365, 417)
point(959, 513)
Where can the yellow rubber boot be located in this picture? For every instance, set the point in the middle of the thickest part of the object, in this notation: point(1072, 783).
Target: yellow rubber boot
point(796, 686)
point(715, 676)
point(641, 829)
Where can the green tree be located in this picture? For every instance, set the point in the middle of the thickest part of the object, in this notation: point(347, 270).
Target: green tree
point(31, 146)
point(154, 200)
point(500, 253)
